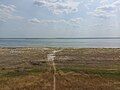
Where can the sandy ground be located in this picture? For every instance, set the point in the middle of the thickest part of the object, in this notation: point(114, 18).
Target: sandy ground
point(59, 69)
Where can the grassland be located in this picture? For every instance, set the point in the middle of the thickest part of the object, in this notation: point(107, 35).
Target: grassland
point(77, 69)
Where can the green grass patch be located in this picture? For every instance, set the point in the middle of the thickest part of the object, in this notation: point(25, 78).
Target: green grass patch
point(92, 71)
point(15, 73)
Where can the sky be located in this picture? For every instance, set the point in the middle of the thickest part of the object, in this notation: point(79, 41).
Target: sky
point(59, 18)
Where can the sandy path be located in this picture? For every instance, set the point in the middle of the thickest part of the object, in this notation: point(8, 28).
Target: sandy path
point(51, 58)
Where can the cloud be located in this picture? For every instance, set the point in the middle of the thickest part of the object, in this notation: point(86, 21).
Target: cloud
point(104, 2)
point(107, 10)
point(117, 3)
point(71, 21)
point(76, 20)
point(59, 6)
point(34, 20)
point(104, 11)
point(6, 12)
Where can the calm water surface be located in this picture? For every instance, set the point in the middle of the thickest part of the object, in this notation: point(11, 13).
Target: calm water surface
point(75, 43)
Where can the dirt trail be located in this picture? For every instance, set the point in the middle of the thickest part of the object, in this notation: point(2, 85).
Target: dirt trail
point(51, 58)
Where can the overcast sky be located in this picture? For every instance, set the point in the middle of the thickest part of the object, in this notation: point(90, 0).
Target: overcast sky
point(59, 18)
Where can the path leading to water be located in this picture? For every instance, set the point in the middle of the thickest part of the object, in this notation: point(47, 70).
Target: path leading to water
point(51, 58)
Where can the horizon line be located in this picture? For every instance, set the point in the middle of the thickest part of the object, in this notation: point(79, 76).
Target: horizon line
point(69, 38)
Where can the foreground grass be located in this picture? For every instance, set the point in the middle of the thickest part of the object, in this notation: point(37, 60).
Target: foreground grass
point(39, 81)
point(77, 69)
point(65, 79)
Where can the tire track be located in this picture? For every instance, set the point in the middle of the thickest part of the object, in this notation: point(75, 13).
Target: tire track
point(51, 58)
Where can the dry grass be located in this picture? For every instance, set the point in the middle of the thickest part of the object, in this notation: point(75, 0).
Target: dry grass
point(77, 69)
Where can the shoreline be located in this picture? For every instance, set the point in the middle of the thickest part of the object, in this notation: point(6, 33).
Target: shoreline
point(55, 47)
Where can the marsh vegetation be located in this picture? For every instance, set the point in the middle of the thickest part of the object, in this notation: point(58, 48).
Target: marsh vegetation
point(76, 69)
